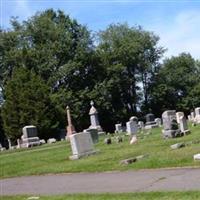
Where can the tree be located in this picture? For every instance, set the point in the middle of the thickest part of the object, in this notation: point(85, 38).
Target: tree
point(173, 85)
point(27, 102)
point(135, 53)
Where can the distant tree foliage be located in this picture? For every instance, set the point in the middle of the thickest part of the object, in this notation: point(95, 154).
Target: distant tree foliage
point(27, 103)
point(50, 61)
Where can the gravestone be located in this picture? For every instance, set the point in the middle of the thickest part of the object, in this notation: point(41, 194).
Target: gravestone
point(192, 116)
point(94, 120)
point(93, 133)
point(197, 115)
point(133, 118)
point(131, 127)
point(183, 125)
point(150, 121)
point(141, 124)
point(170, 125)
point(81, 145)
point(158, 122)
point(51, 140)
point(178, 115)
point(69, 128)
point(118, 128)
point(29, 137)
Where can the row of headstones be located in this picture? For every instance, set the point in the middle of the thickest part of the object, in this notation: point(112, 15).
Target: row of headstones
point(133, 124)
point(174, 124)
point(195, 116)
point(29, 138)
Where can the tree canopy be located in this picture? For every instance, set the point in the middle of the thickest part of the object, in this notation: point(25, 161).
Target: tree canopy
point(50, 61)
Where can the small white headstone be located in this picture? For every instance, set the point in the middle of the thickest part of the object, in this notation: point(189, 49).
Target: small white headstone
point(131, 127)
point(196, 156)
point(178, 115)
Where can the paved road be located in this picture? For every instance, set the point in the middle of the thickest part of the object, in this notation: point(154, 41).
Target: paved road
point(115, 182)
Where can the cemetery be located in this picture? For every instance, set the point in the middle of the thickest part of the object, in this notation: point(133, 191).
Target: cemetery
point(94, 107)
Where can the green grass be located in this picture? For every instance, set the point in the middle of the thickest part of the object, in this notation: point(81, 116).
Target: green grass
point(54, 158)
point(131, 196)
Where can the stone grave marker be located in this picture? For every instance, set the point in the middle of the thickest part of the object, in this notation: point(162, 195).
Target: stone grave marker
point(183, 125)
point(170, 125)
point(81, 145)
point(178, 115)
point(29, 137)
point(150, 121)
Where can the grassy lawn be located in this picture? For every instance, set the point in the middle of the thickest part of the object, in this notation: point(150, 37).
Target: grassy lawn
point(54, 158)
point(131, 196)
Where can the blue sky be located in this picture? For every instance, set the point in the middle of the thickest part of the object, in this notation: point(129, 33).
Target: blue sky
point(177, 22)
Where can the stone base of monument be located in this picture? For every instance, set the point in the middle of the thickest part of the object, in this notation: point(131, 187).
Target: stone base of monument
point(197, 120)
point(30, 142)
point(81, 145)
point(172, 133)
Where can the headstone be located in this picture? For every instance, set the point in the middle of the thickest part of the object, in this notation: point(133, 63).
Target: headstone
point(133, 139)
point(107, 141)
point(183, 125)
point(150, 121)
point(141, 124)
point(158, 122)
point(70, 127)
point(51, 140)
point(196, 156)
point(192, 116)
point(189, 118)
point(177, 145)
point(9, 144)
point(178, 115)
point(118, 128)
point(18, 143)
point(29, 137)
point(42, 142)
point(81, 145)
point(197, 115)
point(93, 133)
point(170, 125)
point(131, 127)
point(133, 118)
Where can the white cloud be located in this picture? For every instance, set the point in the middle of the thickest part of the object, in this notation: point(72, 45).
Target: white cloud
point(181, 35)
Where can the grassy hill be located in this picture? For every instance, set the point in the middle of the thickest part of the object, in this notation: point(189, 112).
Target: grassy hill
point(54, 158)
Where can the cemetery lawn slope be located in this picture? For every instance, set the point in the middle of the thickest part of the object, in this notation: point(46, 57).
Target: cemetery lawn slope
point(54, 158)
point(128, 196)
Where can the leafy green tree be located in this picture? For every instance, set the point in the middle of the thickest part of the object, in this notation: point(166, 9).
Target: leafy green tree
point(135, 53)
point(174, 83)
point(27, 102)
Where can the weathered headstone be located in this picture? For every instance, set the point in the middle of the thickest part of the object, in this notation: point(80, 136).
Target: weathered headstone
point(51, 140)
point(178, 115)
point(118, 128)
point(133, 118)
point(197, 115)
point(131, 127)
point(150, 121)
point(81, 145)
point(93, 133)
point(107, 141)
point(29, 137)
point(170, 125)
point(183, 125)
point(94, 120)
point(192, 116)
point(133, 139)
point(141, 124)
point(158, 122)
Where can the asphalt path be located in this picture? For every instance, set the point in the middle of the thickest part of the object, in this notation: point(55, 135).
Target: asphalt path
point(181, 179)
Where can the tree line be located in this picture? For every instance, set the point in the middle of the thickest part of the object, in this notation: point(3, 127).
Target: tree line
point(50, 61)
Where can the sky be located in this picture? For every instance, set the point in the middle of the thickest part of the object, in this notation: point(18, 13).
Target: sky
point(176, 22)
